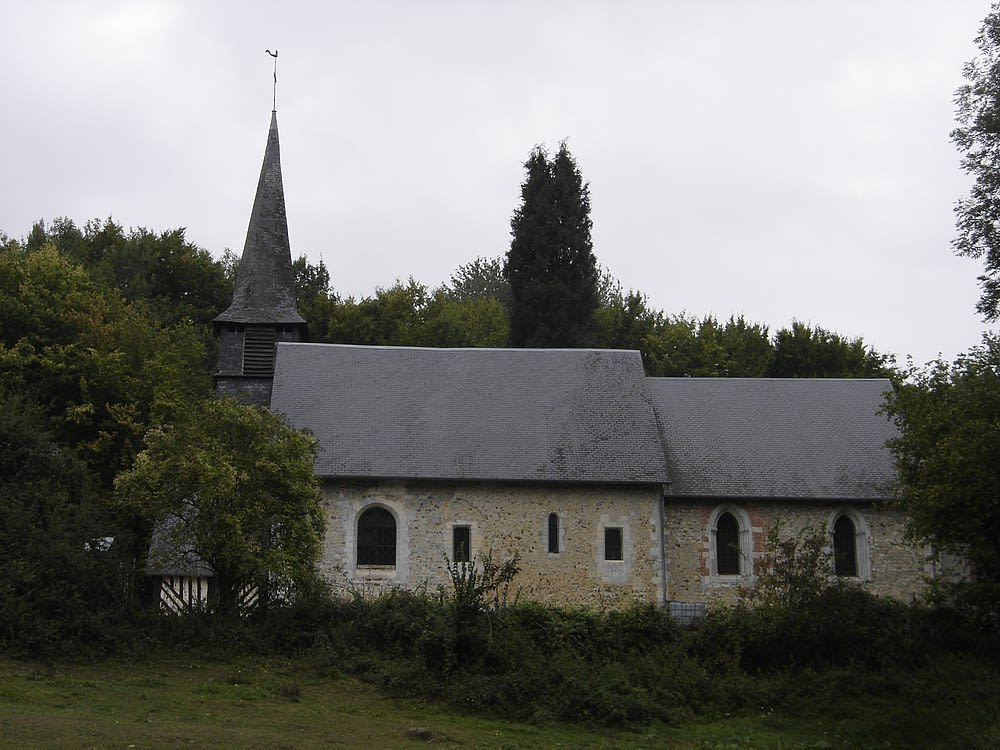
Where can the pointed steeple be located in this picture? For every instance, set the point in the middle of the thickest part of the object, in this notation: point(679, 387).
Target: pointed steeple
point(264, 292)
point(263, 312)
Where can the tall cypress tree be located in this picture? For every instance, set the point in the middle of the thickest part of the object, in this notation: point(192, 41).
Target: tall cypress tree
point(551, 266)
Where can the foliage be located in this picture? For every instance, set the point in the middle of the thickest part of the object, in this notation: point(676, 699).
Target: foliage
point(804, 352)
point(177, 280)
point(948, 461)
point(313, 292)
point(60, 579)
point(234, 485)
point(312, 283)
point(479, 588)
point(206, 699)
point(469, 311)
point(793, 570)
point(977, 137)
point(409, 315)
point(483, 278)
point(102, 369)
point(550, 266)
point(482, 585)
point(799, 615)
point(480, 279)
point(681, 346)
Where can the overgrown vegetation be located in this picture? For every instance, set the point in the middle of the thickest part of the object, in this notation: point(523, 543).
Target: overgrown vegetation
point(803, 645)
point(231, 486)
point(870, 673)
point(948, 463)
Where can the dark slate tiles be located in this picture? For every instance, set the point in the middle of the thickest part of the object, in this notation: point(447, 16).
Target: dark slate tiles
point(775, 438)
point(478, 414)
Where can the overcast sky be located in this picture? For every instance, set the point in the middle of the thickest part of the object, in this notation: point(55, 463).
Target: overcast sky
point(776, 159)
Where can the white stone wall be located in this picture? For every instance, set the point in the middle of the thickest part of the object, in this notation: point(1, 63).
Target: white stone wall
point(895, 568)
point(504, 518)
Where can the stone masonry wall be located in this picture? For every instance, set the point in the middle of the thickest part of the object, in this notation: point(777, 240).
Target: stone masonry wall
point(504, 518)
point(895, 568)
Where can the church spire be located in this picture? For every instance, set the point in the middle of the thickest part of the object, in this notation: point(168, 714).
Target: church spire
point(263, 312)
point(264, 292)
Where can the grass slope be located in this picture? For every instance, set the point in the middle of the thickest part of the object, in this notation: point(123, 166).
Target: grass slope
point(184, 701)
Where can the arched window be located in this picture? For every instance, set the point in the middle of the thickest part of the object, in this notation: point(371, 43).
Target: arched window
point(845, 552)
point(730, 545)
point(553, 533)
point(727, 545)
point(850, 543)
point(377, 538)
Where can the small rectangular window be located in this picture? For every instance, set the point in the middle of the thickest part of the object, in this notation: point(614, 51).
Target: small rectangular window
point(613, 543)
point(553, 533)
point(461, 544)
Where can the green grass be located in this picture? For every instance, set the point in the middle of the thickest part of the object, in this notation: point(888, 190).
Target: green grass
point(187, 701)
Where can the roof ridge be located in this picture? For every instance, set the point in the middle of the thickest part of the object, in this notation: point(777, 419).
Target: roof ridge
point(457, 348)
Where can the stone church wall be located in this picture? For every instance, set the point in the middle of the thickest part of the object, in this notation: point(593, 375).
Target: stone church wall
point(503, 517)
point(890, 566)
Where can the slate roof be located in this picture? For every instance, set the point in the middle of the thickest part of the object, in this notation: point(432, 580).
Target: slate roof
point(775, 438)
point(264, 291)
point(472, 414)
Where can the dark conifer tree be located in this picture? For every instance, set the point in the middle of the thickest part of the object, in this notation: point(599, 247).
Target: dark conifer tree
point(551, 266)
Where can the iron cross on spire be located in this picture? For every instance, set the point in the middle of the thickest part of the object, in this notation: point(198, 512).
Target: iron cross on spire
point(274, 100)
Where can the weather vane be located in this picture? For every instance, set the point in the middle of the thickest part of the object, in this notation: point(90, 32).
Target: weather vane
point(274, 100)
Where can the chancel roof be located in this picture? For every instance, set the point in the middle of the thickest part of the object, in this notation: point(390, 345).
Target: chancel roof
point(775, 438)
point(264, 291)
point(556, 415)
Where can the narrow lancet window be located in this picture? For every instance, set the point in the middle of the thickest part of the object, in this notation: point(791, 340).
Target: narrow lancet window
point(461, 544)
point(845, 553)
point(727, 545)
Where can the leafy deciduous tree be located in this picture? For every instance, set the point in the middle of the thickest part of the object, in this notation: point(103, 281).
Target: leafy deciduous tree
point(948, 459)
point(977, 137)
point(482, 278)
point(58, 579)
point(805, 352)
point(178, 280)
point(234, 484)
point(102, 369)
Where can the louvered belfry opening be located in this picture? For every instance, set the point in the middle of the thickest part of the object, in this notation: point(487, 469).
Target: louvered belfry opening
point(258, 350)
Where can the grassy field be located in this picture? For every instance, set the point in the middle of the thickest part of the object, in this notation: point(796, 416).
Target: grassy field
point(181, 701)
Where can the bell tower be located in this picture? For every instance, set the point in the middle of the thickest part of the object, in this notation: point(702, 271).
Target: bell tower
point(263, 311)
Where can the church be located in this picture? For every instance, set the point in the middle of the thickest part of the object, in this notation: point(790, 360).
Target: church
point(611, 487)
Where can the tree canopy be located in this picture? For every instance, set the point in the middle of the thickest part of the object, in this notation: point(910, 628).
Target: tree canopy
point(977, 137)
point(481, 278)
point(551, 266)
point(176, 279)
point(233, 484)
point(948, 458)
point(58, 574)
point(102, 369)
point(948, 450)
